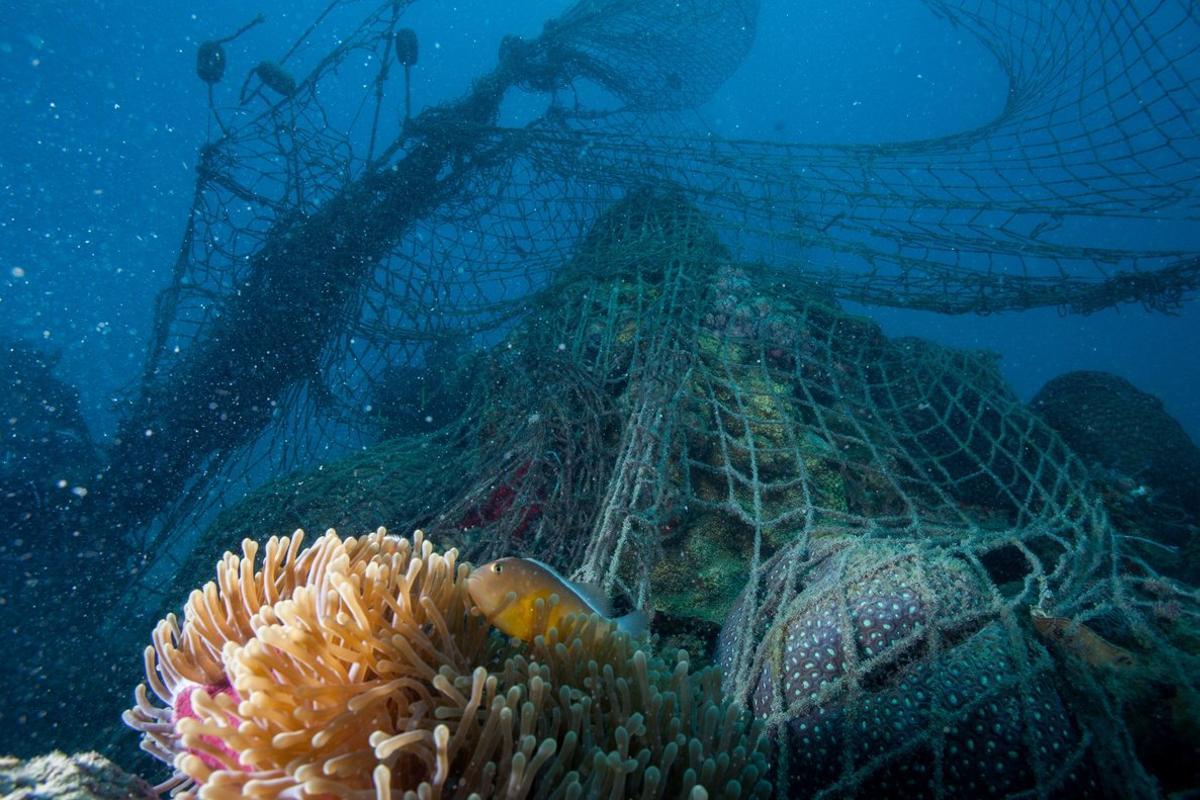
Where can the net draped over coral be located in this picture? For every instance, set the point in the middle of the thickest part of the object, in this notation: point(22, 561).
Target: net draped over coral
point(340, 259)
point(620, 346)
point(924, 594)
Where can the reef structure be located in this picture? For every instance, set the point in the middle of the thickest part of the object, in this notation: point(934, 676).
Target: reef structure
point(1144, 465)
point(1111, 423)
point(881, 545)
point(79, 776)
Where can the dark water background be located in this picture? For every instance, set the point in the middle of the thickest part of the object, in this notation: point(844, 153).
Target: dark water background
point(101, 116)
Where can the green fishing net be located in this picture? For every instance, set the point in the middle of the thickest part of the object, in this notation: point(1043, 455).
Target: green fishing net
point(898, 565)
point(621, 345)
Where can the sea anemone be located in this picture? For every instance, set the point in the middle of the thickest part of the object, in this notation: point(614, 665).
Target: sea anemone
point(360, 668)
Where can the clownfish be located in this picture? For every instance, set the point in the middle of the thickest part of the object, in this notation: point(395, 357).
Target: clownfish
point(507, 591)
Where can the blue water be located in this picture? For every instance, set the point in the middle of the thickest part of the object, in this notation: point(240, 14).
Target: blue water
point(103, 117)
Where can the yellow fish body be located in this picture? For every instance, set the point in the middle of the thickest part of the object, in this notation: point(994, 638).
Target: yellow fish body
point(507, 591)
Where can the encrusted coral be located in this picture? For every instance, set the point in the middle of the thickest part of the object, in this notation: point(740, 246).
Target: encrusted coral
point(359, 668)
point(707, 569)
point(880, 692)
point(80, 776)
point(1110, 422)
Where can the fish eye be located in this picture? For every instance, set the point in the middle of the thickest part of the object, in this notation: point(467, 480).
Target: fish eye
point(498, 567)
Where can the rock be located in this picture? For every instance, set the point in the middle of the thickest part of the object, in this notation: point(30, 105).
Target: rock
point(58, 776)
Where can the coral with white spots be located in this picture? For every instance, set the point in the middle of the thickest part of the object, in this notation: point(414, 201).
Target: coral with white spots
point(880, 679)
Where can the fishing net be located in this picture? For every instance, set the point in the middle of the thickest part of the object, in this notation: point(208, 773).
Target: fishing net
point(330, 248)
point(920, 589)
point(616, 344)
point(1091, 410)
point(1142, 463)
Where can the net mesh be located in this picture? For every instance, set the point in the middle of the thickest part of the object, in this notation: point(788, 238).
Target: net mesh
point(921, 590)
point(295, 219)
point(617, 345)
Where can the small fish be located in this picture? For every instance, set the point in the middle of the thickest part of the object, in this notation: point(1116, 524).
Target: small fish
point(508, 589)
point(1081, 641)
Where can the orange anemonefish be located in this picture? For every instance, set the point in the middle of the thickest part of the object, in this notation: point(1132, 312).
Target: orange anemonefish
point(508, 589)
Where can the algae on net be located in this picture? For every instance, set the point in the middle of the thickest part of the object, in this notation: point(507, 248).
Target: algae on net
point(664, 343)
point(846, 523)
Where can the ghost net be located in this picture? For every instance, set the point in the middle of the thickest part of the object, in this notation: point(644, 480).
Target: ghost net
point(609, 342)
